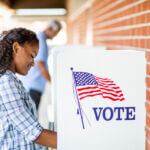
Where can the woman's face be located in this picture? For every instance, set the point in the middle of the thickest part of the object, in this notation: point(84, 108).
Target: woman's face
point(24, 57)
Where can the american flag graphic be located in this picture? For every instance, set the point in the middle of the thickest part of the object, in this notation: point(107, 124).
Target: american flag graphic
point(88, 85)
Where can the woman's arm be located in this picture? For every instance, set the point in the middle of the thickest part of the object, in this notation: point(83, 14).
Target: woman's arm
point(47, 138)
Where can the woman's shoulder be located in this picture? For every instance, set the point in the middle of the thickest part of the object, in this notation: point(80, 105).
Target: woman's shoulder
point(8, 76)
point(4, 77)
point(9, 81)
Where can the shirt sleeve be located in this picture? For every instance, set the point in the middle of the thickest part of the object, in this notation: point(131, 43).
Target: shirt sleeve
point(17, 112)
point(42, 49)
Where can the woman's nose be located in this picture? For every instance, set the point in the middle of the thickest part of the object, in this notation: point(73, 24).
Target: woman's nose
point(32, 64)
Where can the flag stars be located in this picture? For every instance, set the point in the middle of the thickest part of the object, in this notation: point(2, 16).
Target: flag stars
point(84, 78)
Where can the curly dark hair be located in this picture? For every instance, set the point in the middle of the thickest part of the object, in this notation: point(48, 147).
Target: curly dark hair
point(7, 39)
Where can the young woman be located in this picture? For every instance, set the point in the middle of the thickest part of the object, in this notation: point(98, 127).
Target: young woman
point(19, 127)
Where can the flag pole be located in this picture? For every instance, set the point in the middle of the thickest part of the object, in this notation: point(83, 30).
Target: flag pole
point(79, 106)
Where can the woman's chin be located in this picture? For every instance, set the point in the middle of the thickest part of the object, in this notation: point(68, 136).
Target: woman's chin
point(23, 73)
point(26, 72)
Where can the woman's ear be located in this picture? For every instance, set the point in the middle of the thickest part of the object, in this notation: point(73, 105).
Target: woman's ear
point(16, 47)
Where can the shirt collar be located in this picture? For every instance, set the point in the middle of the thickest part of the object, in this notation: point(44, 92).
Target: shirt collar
point(9, 72)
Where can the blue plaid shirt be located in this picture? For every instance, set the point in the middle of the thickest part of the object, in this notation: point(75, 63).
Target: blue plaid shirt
point(18, 118)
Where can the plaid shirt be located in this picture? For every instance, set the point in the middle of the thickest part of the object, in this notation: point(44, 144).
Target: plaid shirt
point(18, 119)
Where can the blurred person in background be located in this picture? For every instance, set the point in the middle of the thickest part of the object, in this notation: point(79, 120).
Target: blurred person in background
point(37, 77)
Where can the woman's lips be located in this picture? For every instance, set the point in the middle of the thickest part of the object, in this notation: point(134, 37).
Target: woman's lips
point(28, 66)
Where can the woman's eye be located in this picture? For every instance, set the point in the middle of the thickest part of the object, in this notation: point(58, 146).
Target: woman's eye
point(32, 56)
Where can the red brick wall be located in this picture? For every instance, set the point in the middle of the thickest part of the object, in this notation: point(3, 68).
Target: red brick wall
point(121, 24)
point(77, 29)
point(118, 24)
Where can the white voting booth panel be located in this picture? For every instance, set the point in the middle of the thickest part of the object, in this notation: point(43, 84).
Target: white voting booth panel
point(53, 69)
point(104, 120)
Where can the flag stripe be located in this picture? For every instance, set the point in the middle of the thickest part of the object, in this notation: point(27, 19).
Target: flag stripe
point(86, 88)
point(113, 94)
point(114, 99)
point(109, 86)
point(105, 79)
point(109, 89)
point(104, 92)
point(88, 92)
point(90, 96)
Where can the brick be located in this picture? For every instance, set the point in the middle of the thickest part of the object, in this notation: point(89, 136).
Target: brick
point(134, 9)
point(124, 22)
point(124, 42)
point(136, 43)
point(148, 30)
point(148, 121)
point(148, 44)
point(144, 31)
point(148, 69)
point(142, 43)
point(126, 32)
point(143, 6)
point(147, 133)
point(117, 33)
point(133, 42)
point(148, 95)
point(147, 145)
point(148, 82)
point(148, 17)
point(131, 21)
point(138, 32)
point(148, 108)
point(133, 31)
point(146, 5)
point(119, 42)
point(140, 7)
point(130, 42)
point(148, 56)
point(140, 19)
point(129, 1)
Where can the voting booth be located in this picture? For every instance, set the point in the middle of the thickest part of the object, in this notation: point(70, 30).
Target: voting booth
point(99, 99)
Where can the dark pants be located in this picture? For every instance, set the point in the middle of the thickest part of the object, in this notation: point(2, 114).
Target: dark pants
point(36, 96)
